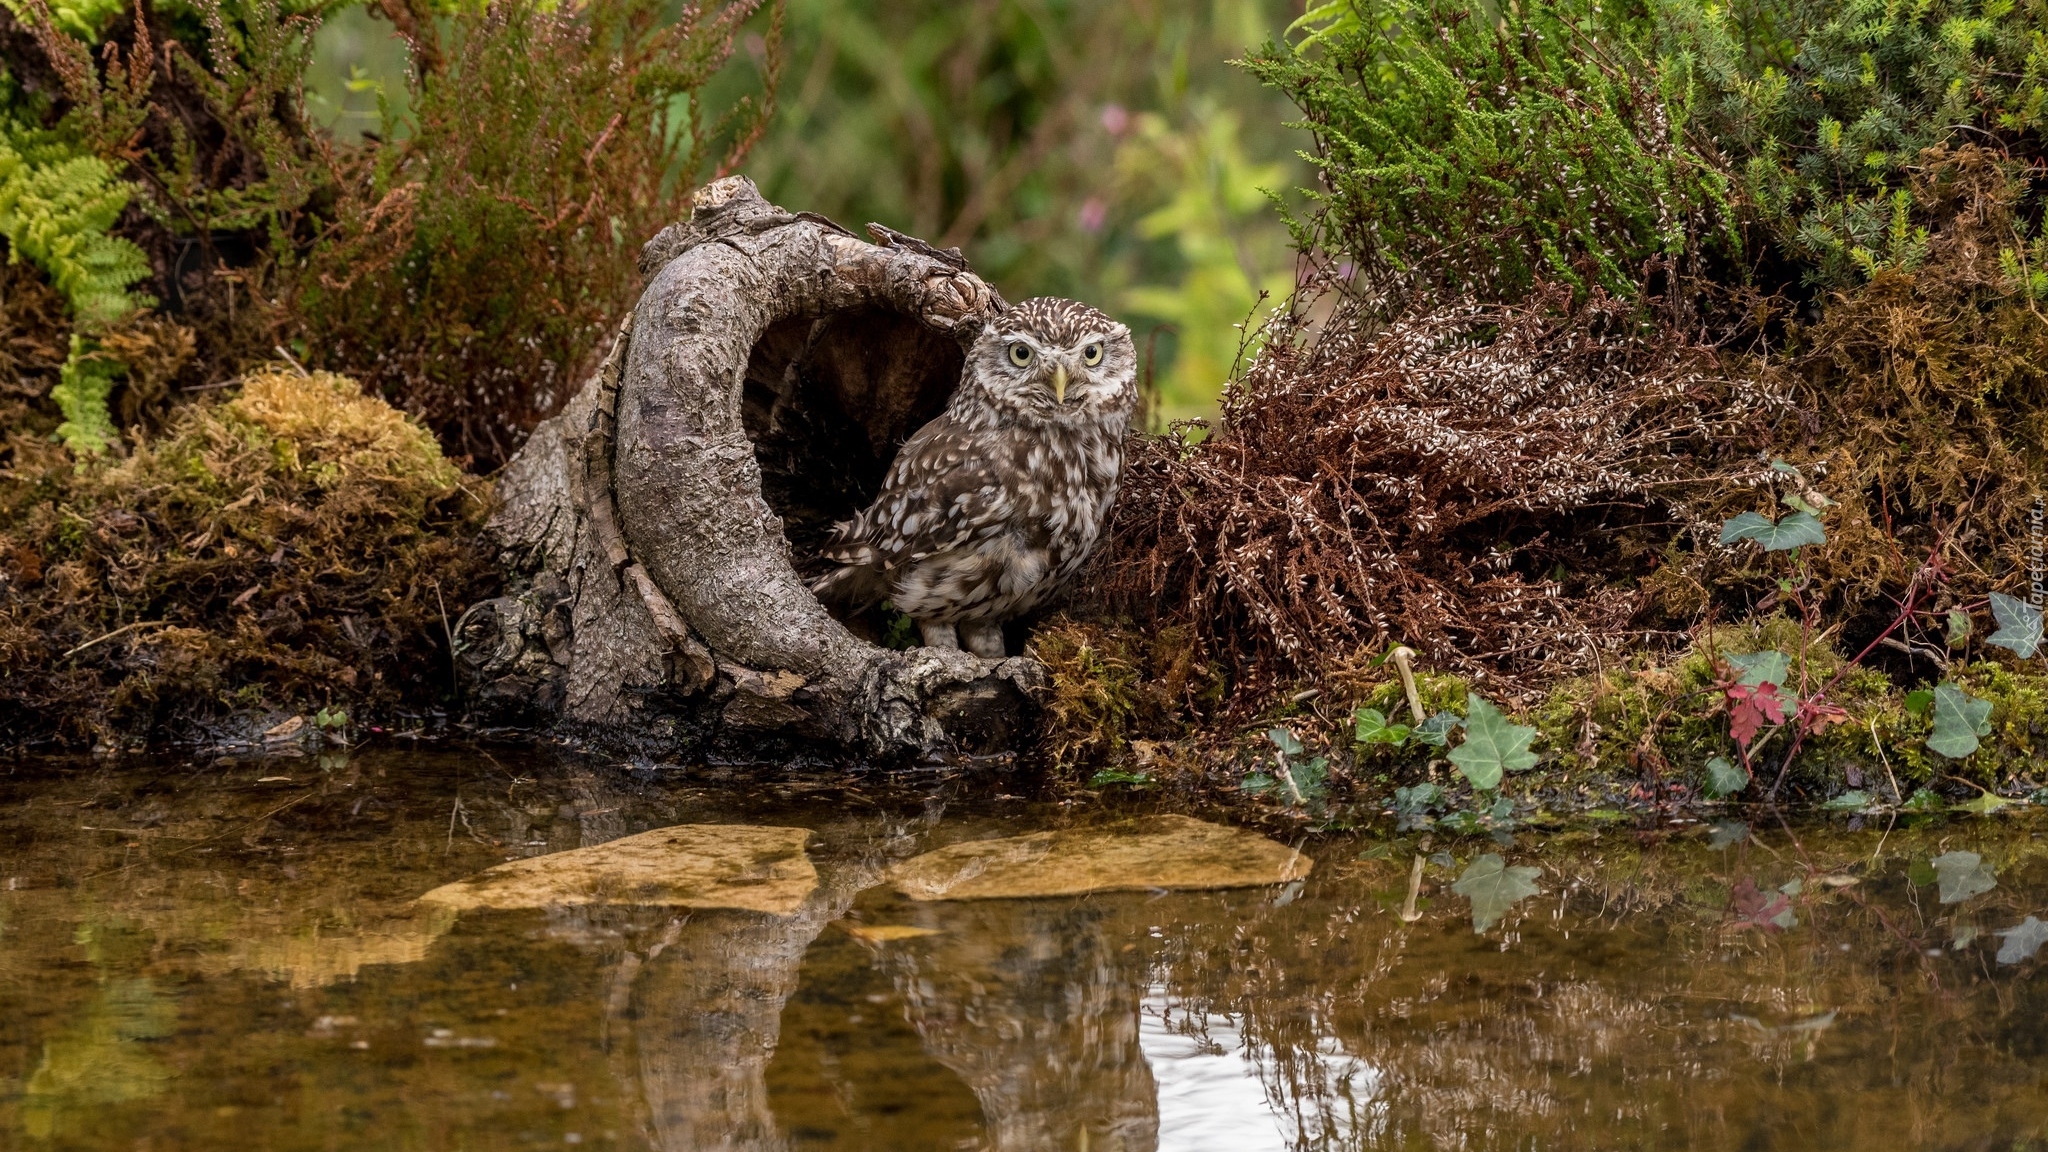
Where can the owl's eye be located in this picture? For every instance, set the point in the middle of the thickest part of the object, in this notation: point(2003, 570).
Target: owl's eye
point(1091, 354)
point(1020, 354)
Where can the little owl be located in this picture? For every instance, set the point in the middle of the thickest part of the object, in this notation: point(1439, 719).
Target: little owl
point(997, 502)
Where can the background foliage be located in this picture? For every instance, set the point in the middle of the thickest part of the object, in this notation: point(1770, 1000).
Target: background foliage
point(1106, 152)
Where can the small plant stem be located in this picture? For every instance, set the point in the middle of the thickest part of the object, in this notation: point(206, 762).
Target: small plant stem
point(1403, 658)
point(1409, 915)
point(1287, 778)
point(1898, 797)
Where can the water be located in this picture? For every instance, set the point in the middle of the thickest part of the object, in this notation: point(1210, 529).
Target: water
point(227, 956)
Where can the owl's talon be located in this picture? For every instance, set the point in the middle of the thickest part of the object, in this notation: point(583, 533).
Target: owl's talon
point(984, 640)
point(939, 635)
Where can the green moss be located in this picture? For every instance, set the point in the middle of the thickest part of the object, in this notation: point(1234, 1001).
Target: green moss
point(294, 545)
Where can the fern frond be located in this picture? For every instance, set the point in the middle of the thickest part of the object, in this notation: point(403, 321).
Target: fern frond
point(56, 207)
point(83, 386)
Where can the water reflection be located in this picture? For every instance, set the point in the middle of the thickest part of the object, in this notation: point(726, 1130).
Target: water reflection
point(211, 957)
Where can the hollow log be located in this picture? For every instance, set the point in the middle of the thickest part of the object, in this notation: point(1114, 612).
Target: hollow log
point(662, 527)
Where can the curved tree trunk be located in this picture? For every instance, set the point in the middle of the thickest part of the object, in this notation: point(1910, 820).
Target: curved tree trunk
point(664, 524)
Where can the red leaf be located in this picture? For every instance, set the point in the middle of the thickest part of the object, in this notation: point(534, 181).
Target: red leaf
point(1750, 707)
point(1815, 717)
point(1762, 911)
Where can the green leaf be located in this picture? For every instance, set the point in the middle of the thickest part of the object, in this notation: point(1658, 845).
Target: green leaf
point(1855, 800)
point(1493, 888)
point(1492, 745)
point(1921, 873)
point(1958, 627)
point(1372, 728)
point(1725, 833)
point(1918, 701)
point(1285, 741)
point(1110, 776)
point(2019, 625)
point(1923, 800)
point(1724, 778)
point(1460, 823)
point(1959, 719)
point(1795, 529)
point(1436, 730)
point(1258, 782)
point(1983, 804)
point(1962, 875)
point(1767, 667)
point(1419, 798)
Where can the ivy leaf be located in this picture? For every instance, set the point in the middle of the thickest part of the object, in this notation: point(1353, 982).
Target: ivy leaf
point(1959, 718)
point(1492, 745)
point(1420, 798)
point(1855, 800)
point(1371, 727)
point(1983, 804)
point(1958, 627)
point(2022, 940)
point(1758, 668)
point(1258, 782)
point(1923, 800)
point(2019, 625)
point(1795, 529)
point(1285, 741)
point(1493, 888)
point(1436, 730)
point(1962, 875)
point(1725, 779)
point(1919, 700)
point(1725, 833)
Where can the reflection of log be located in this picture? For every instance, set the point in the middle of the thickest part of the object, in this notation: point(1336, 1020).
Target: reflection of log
point(759, 392)
point(1033, 1004)
point(705, 1011)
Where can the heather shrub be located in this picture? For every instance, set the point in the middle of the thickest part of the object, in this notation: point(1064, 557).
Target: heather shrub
point(462, 261)
point(1473, 150)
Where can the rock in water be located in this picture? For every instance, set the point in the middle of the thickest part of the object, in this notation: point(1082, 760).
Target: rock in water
point(732, 866)
point(1150, 853)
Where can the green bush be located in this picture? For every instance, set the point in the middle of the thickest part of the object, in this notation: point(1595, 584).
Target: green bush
point(1822, 109)
point(1469, 150)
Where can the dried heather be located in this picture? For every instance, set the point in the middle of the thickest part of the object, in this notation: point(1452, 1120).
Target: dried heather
point(1487, 484)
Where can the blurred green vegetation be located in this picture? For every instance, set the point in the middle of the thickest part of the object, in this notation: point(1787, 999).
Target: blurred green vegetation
point(1112, 153)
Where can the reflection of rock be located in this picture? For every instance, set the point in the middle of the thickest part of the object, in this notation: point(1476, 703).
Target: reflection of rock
point(1155, 852)
point(1034, 1004)
point(314, 959)
point(728, 866)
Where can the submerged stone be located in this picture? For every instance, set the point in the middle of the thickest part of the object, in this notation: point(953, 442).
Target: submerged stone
point(728, 866)
point(1169, 852)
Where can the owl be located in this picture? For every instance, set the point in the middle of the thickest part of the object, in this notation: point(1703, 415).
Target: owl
point(990, 508)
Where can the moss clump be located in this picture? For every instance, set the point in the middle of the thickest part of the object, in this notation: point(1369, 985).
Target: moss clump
point(296, 544)
point(1112, 684)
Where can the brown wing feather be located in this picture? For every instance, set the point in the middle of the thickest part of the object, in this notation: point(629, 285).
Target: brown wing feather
point(945, 490)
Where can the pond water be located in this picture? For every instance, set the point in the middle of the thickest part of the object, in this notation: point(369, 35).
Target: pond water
point(231, 955)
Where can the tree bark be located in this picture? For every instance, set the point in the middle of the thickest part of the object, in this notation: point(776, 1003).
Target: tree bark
point(662, 526)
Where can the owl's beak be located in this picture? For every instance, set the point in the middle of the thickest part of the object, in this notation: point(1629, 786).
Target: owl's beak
point(1059, 384)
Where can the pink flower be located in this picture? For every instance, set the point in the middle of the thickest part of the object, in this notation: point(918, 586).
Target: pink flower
point(1094, 213)
point(1115, 120)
